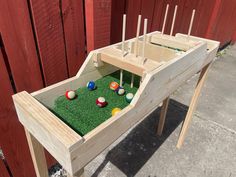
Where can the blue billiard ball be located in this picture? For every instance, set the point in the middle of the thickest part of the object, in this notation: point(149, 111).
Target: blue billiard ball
point(91, 85)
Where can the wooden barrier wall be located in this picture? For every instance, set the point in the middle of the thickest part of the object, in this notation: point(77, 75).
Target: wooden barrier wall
point(43, 42)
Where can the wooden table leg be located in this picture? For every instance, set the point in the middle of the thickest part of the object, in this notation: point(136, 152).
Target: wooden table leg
point(193, 104)
point(80, 173)
point(163, 116)
point(38, 156)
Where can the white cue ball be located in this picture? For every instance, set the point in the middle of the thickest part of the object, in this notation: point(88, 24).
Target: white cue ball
point(71, 95)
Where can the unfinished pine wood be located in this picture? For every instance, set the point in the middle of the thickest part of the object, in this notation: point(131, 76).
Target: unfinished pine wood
point(80, 173)
point(155, 52)
point(162, 119)
point(49, 130)
point(193, 104)
point(160, 82)
point(171, 41)
point(130, 62)
point(159, 79)
point(212, 46)
point(38, 156)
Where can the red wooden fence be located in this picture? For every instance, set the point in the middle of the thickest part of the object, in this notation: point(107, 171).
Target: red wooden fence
point(43, 42)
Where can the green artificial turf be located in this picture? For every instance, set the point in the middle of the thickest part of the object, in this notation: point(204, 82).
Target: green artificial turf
point(82, 114)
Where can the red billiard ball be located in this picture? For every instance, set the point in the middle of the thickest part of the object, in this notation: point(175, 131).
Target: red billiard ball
point(70, 94)
point(101, 102)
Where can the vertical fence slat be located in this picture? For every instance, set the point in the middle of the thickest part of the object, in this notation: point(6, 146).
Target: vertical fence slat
point(16, 31)
point(50, 39)
point(234, 36)
point(3, 170)
point(73, 24)
point(19, 43)
point(222, 28)
point(117, 9)
point(133, 9)
point(4, 108)
point(186, 14)
point(147, 11)
point(98, 23)
point(203, 17)
point(157, 20)
point(12, 138)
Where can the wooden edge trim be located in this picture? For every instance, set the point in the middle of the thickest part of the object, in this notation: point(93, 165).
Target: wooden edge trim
point(37, 93)
point(44, 118)
point(114, 60)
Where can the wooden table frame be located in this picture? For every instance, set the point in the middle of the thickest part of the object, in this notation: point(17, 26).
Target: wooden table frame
point(191, 109)
point(37, 150)
point(162, 73)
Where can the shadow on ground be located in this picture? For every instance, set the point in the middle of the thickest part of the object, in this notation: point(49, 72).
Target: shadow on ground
point(142, 142)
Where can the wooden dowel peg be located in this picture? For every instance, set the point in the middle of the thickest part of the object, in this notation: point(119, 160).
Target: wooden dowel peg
point(173, 21)
point(164, 22)
point(137, 35)
point(136, 46)
point(123, 35)
point(144, 39)
point(132, 81)
point(121, 77)
point(191, 23)
point(123, 47)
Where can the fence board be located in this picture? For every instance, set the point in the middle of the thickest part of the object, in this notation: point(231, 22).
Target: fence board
point(16, 31)
point(203, 17)
point(73, 24)
point(50, 39)
point(147, 11)
point(222, 28)
point(98, 23)
point(234, 36)
point(3, 170)
point(158, 15)
point(133, 9)
point(5, 85)
point(12, 139)
point(117, 9)
point(185, 18)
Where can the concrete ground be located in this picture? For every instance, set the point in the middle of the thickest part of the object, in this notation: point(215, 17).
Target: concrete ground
point(210, 146)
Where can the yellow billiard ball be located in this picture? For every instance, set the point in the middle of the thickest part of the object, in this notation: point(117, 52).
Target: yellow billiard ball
point(115, 111)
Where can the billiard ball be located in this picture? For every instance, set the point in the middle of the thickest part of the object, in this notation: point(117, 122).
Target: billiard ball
point(70, 95)
point(115, 111)
point(120, 91)
point(129, 97)
point(114, 86)
point(91, 85)
point(101, 102)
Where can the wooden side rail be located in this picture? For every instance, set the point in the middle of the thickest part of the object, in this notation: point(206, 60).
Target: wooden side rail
point(49, 130)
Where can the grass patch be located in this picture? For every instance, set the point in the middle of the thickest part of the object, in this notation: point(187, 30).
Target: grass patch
point(82, 114)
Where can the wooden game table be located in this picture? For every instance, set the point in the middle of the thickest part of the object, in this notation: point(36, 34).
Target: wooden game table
point(164, 69)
